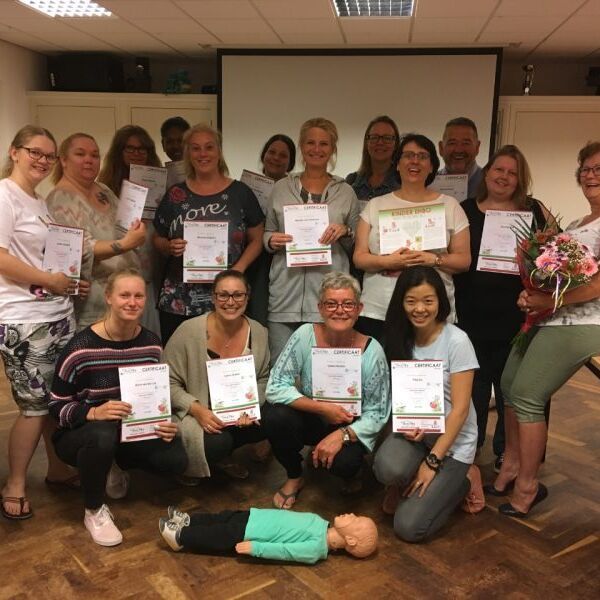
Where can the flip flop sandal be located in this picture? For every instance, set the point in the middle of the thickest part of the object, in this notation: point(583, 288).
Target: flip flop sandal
point(21, 515)
point(71, 483)
point(293, 496)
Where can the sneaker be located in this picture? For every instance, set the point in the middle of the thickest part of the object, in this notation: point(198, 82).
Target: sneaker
point(498, 463)
point(117, 483)
point(170, 531)
point(178, 516)
point(101, 526)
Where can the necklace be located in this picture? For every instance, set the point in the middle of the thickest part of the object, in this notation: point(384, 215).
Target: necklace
point(112, 338)
point(221, 331)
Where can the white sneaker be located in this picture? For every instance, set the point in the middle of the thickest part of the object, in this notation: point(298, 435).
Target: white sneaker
point(101, 526)
point(170, 532)
point(117, 483)
point(178, 516)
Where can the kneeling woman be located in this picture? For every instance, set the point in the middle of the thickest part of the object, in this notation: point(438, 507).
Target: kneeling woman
point(296, 419)
point(85, 400)
point(429, 470)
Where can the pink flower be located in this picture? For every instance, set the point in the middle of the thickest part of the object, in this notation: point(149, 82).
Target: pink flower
point(547, 262)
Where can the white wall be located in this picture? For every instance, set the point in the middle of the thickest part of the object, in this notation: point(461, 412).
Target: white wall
point(21, 71)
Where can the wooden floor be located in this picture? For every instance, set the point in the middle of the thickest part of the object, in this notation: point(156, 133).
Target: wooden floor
point(554, 554)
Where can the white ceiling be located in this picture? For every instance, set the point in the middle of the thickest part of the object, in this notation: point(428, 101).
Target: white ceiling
point(193, 28)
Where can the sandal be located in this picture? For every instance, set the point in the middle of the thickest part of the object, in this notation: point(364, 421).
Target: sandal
point(474, 501)
point(22, 514)
point(71, 483)
point(284, 505)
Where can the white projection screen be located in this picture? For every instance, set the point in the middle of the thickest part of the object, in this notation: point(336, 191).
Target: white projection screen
point(265, 92)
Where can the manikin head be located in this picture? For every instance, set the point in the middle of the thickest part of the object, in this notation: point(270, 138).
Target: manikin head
point(356, 535)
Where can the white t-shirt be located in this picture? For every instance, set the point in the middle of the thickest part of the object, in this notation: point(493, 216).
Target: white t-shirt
point(377, 288)
point(582, 313)
point(23, 233)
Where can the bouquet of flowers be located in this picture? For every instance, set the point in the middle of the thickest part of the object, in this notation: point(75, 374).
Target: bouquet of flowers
point(553, 263)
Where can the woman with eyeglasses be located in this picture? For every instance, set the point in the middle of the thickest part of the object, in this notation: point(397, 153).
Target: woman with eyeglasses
point(561, 344)
point(224, 332)
point(78, 200)
point(36, 313)
point(417, 165)
point(296, 419)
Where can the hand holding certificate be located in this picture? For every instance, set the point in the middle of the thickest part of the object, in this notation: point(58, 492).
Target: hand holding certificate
point(418, 395)
point(146, 389)
point(306, 224)
point(132, 200)
point(233, 388)
point(205, 253)
point(64, 251)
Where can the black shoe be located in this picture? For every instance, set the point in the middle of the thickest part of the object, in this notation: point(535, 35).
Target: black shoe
point(498, 463)
point(510, 511)
point(490, 490)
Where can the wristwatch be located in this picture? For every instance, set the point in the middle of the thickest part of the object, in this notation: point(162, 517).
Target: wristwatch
point(345, 435)
point(433, 462)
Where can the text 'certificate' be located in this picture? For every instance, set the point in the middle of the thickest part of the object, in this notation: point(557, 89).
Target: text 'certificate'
point(418, 228)
point(261, 185)
point(155, 179)
point(64, 251)
point(418, 395)
point(336, 377)
point(233, 388)
point(132, 200)
point(205, 253)
point(451, 185)
point(146, 388)
point(306, 223)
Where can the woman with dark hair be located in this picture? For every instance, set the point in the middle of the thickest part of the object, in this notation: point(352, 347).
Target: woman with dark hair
point(418, 163)
point(426, 473)
point(278, 156)
point(560, 345)
point(377, 174)
point(486, 302)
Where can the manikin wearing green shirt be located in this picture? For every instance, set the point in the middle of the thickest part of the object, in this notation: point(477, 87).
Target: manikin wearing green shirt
point(268, 533)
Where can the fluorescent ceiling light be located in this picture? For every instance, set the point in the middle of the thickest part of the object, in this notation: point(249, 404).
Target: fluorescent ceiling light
point(68, 8)
point(374, 8)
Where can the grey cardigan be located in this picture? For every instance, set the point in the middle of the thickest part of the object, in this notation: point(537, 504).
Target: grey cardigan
point(186, 355)
point(294, 292)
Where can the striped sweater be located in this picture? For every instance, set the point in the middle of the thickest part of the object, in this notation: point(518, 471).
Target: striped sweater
point(87, 372)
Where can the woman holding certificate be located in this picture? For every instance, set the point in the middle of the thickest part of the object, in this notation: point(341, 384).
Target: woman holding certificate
point(206, 372)
point(36, 314)
point(78, 200)
point(411, 226)
point(426, 473)
point(309, 229)
point(217, 216)
point(89, 403)
point(330, 389)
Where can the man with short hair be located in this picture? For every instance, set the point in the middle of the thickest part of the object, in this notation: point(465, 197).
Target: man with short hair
point(459, 148)
point(171, 135)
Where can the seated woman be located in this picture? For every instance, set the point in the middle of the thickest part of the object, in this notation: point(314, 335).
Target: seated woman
point(561, 344)
point(85, 400)
point(296, 419)
point(430, 470)
point(224, 332)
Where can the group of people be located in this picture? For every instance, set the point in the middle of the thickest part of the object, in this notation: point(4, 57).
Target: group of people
point(62, 351)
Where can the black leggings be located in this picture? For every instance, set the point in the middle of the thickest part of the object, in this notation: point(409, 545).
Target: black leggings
point(218, 446)
point(289, 430)
point(93, 447)
point(215, 533)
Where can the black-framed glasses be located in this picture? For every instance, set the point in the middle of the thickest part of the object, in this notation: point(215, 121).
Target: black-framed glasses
point(408, 155)
point(373, 138)
point(38, 155)
point(332, 305)
point(136, 149)
point(237, 297)
point(584, 171)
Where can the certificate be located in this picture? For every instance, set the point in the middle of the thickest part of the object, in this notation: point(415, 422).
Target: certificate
point(418, 395)
point(233, 388)
point(306, 224)
point(132, 200)
point(498, 248)
point(451, 185)
point(415, 228)
point(146, 388)
point(336, 377)
point(261, 185)
point(155, 179)
point(205, 253)
point(175, 172)
point(64, 251)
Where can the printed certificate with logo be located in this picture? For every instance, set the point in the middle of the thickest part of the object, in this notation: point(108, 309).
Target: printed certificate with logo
point(132, 200)
point(146, 388)
point(306, 223)
point(233, 388)
point(205, 253)
point(64, 251)
point(451, 185)
point(336, 377)
point(415, 228)
point(155, 179)
point(418, 395)
point(261, 185)
point(175, 172)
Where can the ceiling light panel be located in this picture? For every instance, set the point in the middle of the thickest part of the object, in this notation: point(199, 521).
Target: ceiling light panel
point(374, 8)
point(67, 8)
